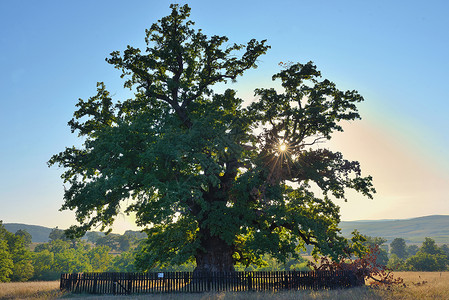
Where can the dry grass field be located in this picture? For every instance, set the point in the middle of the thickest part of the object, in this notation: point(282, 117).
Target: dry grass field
point(419, 285)
point(30, 290)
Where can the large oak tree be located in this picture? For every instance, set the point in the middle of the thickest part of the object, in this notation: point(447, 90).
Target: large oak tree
point(211, 179)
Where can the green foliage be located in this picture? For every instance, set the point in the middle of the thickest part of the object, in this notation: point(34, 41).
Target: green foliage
point(92, 237)
point(430, 247)
point(269, 263)
point(429, 258)
point(57, 234)
point(109, 240)
point(412, 250)
point(6, 261)
point(135, 236)
point(205, 174)
point(381, 254)
point(99, 258)
point(116, 242)
point(399, 248)
point(66, 256)
point(71, 261)
point(382, 257)
point(124, 262)
point(43, 263)
point(374, 241)
point(427, 262)
point(396, 264)
point(15, 258)
point(59, 256)
point(25, 235)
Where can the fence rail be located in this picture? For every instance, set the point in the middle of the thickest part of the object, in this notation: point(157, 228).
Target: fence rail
point(172, 282)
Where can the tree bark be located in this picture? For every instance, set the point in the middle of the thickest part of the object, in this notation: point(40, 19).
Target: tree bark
point(215, 255)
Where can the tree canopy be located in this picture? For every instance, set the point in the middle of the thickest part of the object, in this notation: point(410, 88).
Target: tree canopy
point(15, 258)
point(212, 179)
point(399, 248)
point(430, 257)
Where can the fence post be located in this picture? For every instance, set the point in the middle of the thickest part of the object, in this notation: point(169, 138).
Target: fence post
point(114, 284)
point(250, 282)
point(209, 280)
point(69, 283)
point(95, 284)
point(62, 282)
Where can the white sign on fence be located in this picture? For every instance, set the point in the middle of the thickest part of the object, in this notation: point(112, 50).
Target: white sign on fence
point(160, 275)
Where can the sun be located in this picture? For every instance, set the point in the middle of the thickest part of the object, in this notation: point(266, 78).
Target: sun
point(282, 147)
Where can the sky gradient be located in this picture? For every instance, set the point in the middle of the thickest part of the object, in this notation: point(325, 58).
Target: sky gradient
point(393, 52)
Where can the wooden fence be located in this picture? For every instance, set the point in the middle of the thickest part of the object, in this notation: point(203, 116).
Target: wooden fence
point(188, 282)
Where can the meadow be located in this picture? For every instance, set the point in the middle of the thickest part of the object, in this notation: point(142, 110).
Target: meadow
point(418, 285)
point(30, 290)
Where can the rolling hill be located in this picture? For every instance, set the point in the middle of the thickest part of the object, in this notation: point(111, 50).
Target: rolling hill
point(412, 230)
point(39, 234)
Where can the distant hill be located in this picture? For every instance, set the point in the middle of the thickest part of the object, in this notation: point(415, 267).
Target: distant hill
point(39, 234)
point(412, 230)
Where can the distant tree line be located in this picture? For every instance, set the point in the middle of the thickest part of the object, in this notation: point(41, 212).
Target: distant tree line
point(96, 253)
point(428, 257)
point(15, 258)
point(99, 253)
point(123, 253)
point(399, 256)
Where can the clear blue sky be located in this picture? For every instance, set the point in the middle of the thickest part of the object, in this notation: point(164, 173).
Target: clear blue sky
point(395, 53)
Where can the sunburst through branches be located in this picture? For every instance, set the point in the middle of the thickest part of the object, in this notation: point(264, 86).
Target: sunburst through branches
point(282, 147)
point(280, 161)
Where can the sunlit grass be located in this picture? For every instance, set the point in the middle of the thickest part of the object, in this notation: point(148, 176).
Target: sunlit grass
point(30, 290)
point(351, 294)
point(420, 285)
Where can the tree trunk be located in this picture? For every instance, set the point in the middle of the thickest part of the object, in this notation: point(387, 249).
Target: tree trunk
point(216, 255)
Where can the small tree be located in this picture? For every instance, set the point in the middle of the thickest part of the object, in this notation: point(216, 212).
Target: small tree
point(395, 263)
point(412, 250)
point(6, 261)
point(399, 248)
point(430, 247)
point(27, 238)
point(43, 264)
point(92, 237)
point(124, 262)
point(429, 258)
point(211, 179)
point(99, 258)
point(57, 234)
point(445, 249)
point(110, 240)
point(377, 243)
point(427, 262)
point(22, 268)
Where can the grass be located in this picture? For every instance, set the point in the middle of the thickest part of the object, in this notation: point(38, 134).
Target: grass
point(418, 285)
point(30, 290)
